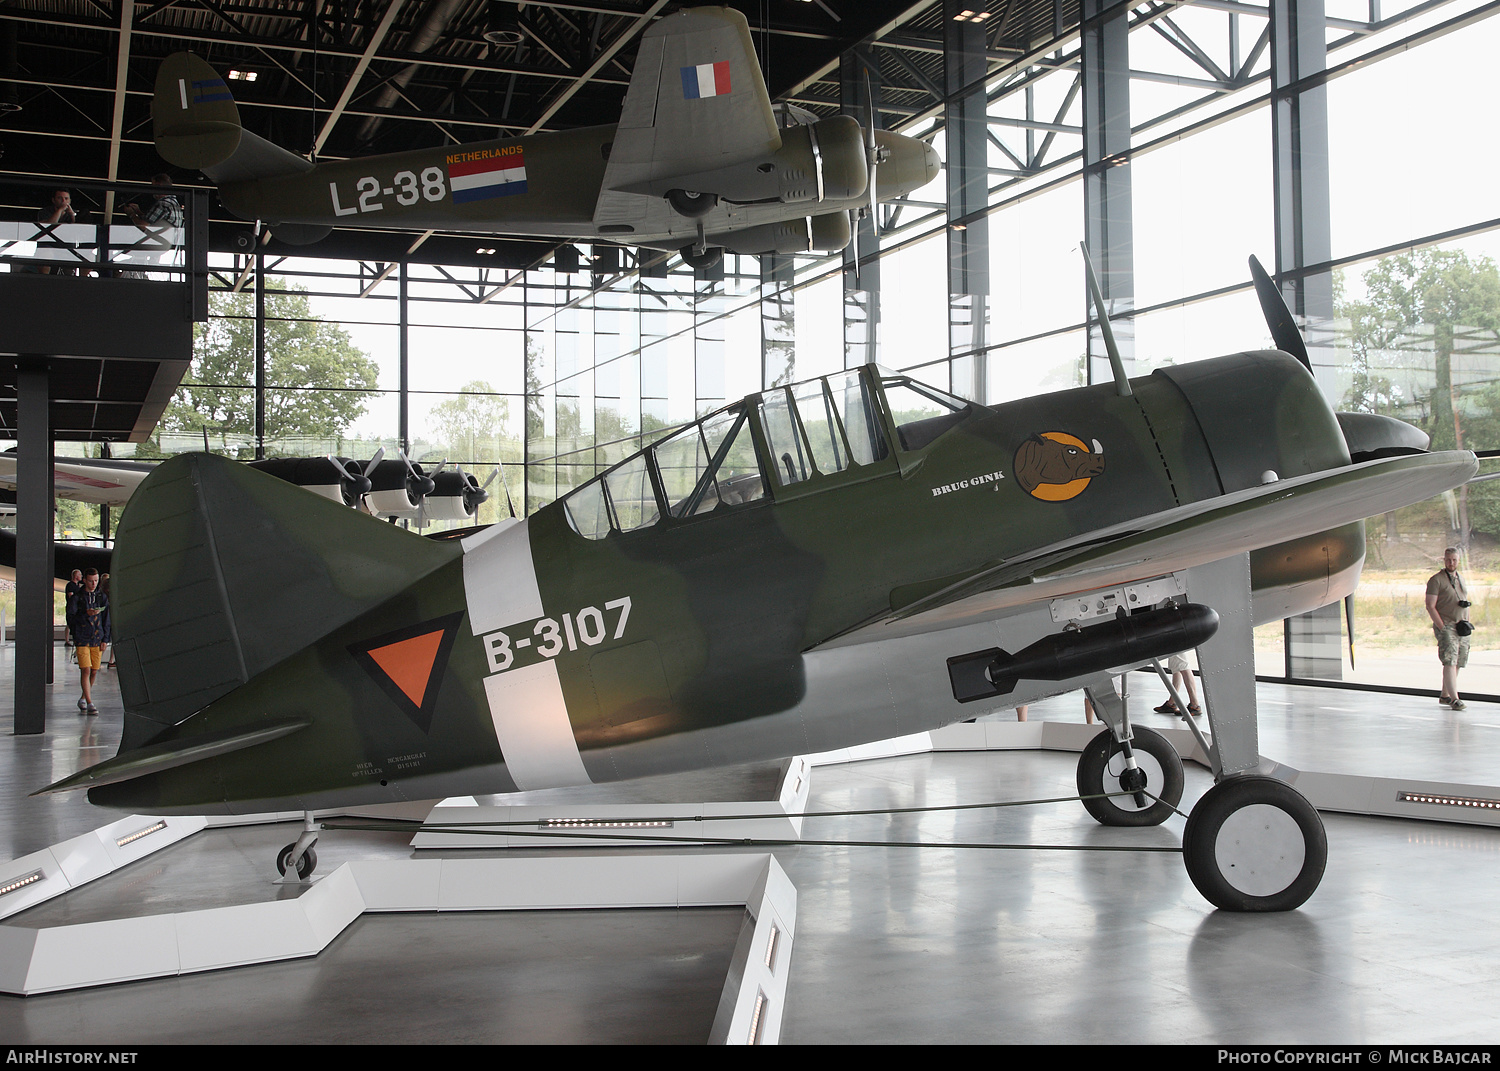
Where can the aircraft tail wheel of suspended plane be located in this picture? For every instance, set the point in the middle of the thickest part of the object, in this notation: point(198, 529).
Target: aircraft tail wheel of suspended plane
point(691, 203)
point(1147, 762)
point(710, 256)
point(1254, 844)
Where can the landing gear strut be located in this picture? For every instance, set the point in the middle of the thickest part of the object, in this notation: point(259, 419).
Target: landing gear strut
point(297, 861)
point(1145, 762)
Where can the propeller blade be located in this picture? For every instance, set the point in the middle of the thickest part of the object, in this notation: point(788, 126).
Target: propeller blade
point(485, 486)
point(1278, 317)
point(375, 459)
point(1349, 618)
point(872, 153)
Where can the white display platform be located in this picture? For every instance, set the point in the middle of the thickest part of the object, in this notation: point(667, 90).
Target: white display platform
point(49, 959)
point(64, 867)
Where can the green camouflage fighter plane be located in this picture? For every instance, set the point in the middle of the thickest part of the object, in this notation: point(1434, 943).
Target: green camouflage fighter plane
point(845, 560)
point(697, 162)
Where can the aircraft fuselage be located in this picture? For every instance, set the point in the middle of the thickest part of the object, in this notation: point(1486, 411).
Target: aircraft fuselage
point(555, 651)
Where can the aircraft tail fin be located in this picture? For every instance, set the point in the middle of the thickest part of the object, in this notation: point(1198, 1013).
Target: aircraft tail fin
point(221, 572)
point(196, 124)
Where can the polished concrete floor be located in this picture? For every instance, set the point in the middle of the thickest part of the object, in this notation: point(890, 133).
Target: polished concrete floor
point(1401, 942)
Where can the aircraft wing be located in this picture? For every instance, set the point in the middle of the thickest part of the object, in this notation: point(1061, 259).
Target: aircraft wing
point(1173, 539)
point(106, 482)
point(696, 102)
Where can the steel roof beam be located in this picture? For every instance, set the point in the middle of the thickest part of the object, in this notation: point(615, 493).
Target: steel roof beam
point(599, 63)
point(372, 46)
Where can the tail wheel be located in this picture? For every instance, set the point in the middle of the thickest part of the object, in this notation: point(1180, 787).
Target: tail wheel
point(305, 866)
point(691, 203)
point(1102, 768)
point(1255, 844)
point(702, 261)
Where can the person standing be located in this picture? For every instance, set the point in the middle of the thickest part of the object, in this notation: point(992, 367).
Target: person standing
point(88, 636)
point(70, 597)
point(1182, 679)
point(1448, 606)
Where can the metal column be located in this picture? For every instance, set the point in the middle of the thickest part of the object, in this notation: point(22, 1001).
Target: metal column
point(778, 321)
point(859, 89)
point(260, 356)
point(1299, 140)
point(965, 65)
point(1107, 224)
point(403, 359)
point(34, 525)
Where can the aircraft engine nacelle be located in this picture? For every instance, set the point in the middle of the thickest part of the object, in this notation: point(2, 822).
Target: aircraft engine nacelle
point(827, 233)
point(397, 489)
point(824, 161)
point(320, 475)
point(456, 496)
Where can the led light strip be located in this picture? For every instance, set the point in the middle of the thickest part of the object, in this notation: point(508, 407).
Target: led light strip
point(602, 823)
point(21, 883)
point(1448, 801)
point(130, 838)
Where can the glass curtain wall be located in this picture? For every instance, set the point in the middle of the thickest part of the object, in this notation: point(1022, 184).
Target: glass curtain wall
point(1175, 172)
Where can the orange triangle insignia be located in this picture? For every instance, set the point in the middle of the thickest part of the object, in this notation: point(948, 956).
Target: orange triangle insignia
point(409, 663)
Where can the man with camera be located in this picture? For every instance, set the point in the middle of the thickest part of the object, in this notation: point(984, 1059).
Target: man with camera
point(1448, 606)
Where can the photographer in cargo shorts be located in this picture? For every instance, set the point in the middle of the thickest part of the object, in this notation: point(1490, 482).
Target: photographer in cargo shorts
point(1448, 606)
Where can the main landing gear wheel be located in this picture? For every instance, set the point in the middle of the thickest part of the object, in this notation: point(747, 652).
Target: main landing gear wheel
point(691, 203)
point(305, 866)
point(704, 260)
point(1255, 844)
point(1102, 768)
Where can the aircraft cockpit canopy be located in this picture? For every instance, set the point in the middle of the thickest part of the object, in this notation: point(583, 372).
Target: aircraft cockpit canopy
point(792, 439)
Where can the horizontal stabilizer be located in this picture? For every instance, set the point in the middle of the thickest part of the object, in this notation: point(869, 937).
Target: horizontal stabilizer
point(158, 757)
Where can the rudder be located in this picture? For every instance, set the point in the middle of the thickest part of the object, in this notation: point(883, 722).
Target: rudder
point(222, 571)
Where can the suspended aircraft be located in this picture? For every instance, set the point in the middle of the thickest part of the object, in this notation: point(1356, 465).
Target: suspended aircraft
point(850, 559)
point(697, 163)
point(392, 489)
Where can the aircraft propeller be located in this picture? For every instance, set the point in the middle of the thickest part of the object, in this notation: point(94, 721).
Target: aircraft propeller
point(1279, 319)
point(874, 154)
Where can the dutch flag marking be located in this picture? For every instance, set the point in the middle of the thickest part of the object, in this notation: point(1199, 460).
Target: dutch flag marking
point(479, 180)
point(706, 80)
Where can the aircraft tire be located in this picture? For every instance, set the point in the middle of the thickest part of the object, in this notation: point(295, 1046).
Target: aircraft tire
point(701, 261)
point(1255, 844)
point(305, 866)
point(690, 203)
point(1101, 768)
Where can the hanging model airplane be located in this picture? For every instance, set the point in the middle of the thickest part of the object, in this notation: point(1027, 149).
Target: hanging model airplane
point(850, 559)
point(696, 163)
point(397, 489)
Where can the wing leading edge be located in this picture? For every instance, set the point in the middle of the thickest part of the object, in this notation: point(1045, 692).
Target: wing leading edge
point(1179, 538)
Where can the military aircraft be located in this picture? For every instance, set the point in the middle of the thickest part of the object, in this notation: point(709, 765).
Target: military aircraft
point(394, 489)
point(850, 559)
point(697, 162)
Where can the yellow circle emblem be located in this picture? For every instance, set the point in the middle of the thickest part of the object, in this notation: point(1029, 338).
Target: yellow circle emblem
point(1054, 466)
